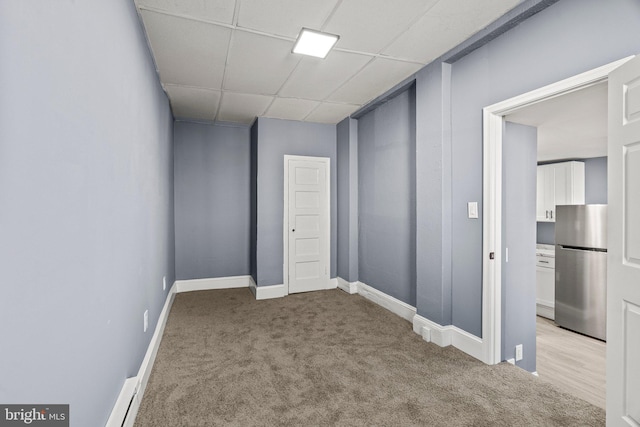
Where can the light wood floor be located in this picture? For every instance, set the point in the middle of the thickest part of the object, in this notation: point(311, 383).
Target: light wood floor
point(572, 362)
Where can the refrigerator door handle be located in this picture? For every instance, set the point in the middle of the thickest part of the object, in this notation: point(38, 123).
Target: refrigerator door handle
point(581, 249)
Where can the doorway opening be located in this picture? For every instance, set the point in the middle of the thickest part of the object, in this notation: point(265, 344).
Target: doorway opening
point(493, 250)
point(568, 135)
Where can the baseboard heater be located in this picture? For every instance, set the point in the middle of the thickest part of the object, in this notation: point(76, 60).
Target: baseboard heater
point(125, 409)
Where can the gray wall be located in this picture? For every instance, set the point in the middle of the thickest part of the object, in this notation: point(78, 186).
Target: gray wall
point(595, 185)
point(386, 197)
point(519, 176)
point(86, 189)
point(275, 139)
point(567, 38)
point(212, 200)
point(347, 156)
point(545, 233)
point(433, 193)
point(595, 192)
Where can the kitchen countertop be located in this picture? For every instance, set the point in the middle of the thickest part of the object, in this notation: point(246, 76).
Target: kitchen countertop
point(545, 250)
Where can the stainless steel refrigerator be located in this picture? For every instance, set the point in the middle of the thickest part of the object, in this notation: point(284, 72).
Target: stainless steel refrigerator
point(581, 269)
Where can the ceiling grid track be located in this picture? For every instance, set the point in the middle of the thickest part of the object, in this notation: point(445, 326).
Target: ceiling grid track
point(236, 12)
point(409, 27)
point(328, 18)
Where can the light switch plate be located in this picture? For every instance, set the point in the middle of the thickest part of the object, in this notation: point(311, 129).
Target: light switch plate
point(472, 210)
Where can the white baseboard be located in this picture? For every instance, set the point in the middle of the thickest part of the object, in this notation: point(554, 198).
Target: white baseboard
point(545, 309)
point(348, 287)
point(121, 413)
point(213, 283)
point(131, 394)
point(392, 304)
point(260, 292)
point(267, 292)
point(278, 291)
point(431, 331)
point(467, 342)
point(448, 335)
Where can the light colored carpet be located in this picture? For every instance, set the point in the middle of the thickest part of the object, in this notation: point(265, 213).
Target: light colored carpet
point(329, 358)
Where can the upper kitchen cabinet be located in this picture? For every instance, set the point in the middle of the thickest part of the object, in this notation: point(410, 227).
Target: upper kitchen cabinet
point(558, 184)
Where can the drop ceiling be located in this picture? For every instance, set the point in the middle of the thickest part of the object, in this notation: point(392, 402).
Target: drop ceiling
point(570, 126)
point(231, 60)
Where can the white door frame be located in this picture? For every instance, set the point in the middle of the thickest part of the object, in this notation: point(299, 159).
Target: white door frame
point(285, 221)
point(493, 121)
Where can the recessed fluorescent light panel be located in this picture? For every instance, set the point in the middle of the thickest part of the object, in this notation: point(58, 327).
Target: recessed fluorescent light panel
point(314, 43)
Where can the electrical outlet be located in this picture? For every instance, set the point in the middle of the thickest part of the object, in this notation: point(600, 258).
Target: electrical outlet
point(164, 283)
point(518, 352)
point(146, 320)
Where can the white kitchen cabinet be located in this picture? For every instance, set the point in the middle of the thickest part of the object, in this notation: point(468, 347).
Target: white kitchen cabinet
point(545, 280)
point(545, 292)
point(558, 184)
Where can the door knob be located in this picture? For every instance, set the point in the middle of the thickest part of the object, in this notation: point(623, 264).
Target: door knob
point(293, 230)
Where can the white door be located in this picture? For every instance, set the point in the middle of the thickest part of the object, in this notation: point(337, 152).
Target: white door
point(623, 282)
point(308, 223)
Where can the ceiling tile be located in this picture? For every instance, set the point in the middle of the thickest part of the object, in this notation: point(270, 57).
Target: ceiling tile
point(290, 108)
point(242, 107)
point(258, 64)
point(193, 103)
point(284, 17)
point(376, 78)
point(203, 62)
point(316, 78)
point(187, 52)
point(331, 113)
point(446, 25)
point(370, 25)
point(208, 10)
